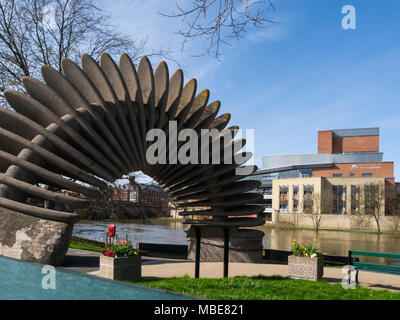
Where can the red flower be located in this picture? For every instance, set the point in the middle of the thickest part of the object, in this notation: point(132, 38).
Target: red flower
point(109, 254)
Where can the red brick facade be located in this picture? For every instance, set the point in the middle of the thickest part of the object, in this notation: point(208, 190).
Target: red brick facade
point(356, 144)
point(156, 198)
point(325, 144)
point(328, 143)
point(356, 170)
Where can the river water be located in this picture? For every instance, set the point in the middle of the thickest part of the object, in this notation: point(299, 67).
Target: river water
point(172, 232)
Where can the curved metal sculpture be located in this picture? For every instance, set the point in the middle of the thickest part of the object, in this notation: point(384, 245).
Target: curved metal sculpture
point(87, 126)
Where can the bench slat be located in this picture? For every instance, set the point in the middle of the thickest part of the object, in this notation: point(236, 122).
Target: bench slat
point(381, 271)
point(376, 267)
point(375, 254)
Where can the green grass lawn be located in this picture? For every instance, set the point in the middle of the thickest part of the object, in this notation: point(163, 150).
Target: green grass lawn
point(85, 246)
point(258, 288)
point(267, 288)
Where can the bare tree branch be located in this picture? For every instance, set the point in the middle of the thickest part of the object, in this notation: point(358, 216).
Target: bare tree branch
point(36, 32)
point(216, 20)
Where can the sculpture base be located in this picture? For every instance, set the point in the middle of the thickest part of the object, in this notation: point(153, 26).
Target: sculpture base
point(244, 246)
point(33, 239)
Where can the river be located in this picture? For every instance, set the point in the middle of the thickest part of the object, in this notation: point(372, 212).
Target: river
point(172, 232)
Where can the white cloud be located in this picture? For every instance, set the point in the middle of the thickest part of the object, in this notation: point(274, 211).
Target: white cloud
point(142, 19)
point(271, 32)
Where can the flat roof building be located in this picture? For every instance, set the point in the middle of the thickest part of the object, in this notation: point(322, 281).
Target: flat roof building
point(342, 153)
point(339, 203)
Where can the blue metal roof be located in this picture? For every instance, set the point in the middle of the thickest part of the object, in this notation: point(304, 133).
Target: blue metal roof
point(359, 132)
point(297, 161)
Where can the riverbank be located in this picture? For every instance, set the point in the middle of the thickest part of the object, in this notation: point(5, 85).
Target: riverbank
point(83, 245)
point(265, 226)
point(171, 231)
point(355, 231)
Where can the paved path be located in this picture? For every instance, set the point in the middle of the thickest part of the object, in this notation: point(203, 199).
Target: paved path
point(155, 268)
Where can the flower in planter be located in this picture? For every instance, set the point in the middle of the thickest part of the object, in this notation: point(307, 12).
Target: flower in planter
point(305, 250)
point(108, 253)
point(121, 249)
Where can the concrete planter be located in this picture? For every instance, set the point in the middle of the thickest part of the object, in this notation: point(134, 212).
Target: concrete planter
point(121, 268)
point(306, 268)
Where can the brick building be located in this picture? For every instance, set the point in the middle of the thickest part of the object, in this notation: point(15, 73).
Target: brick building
point(339, 203)
point(343, 153)
point(149, 195)
point(353, 142)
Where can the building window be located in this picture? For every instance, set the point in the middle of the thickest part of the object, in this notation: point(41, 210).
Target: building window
point(133, 196)
point(283, 198)
point(308, 205)
point(308, 199)
point(338, 206)
point(337, 175)
point(372, 198)
point(338, 190)
point(283, 190)
point(295, 191)
point(283, 204)
point(339, 203)
point(308, 190)
point(352, 175)
point(295, 205)
point(295, 198)
point(367, 175)
point(355, 199)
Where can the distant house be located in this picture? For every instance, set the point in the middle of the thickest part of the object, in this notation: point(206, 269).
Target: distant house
point(148, 194)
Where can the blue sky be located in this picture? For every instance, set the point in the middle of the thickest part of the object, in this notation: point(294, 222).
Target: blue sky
point(290, 79)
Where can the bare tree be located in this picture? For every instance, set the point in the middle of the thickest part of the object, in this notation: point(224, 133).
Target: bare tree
point(374, 197)
point(217, 20)
point(36, 32)
point(392, 205)
point(318, 210)
point(361, 221)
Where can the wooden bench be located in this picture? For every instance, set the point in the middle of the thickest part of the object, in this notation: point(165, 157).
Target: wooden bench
point(372, 267)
